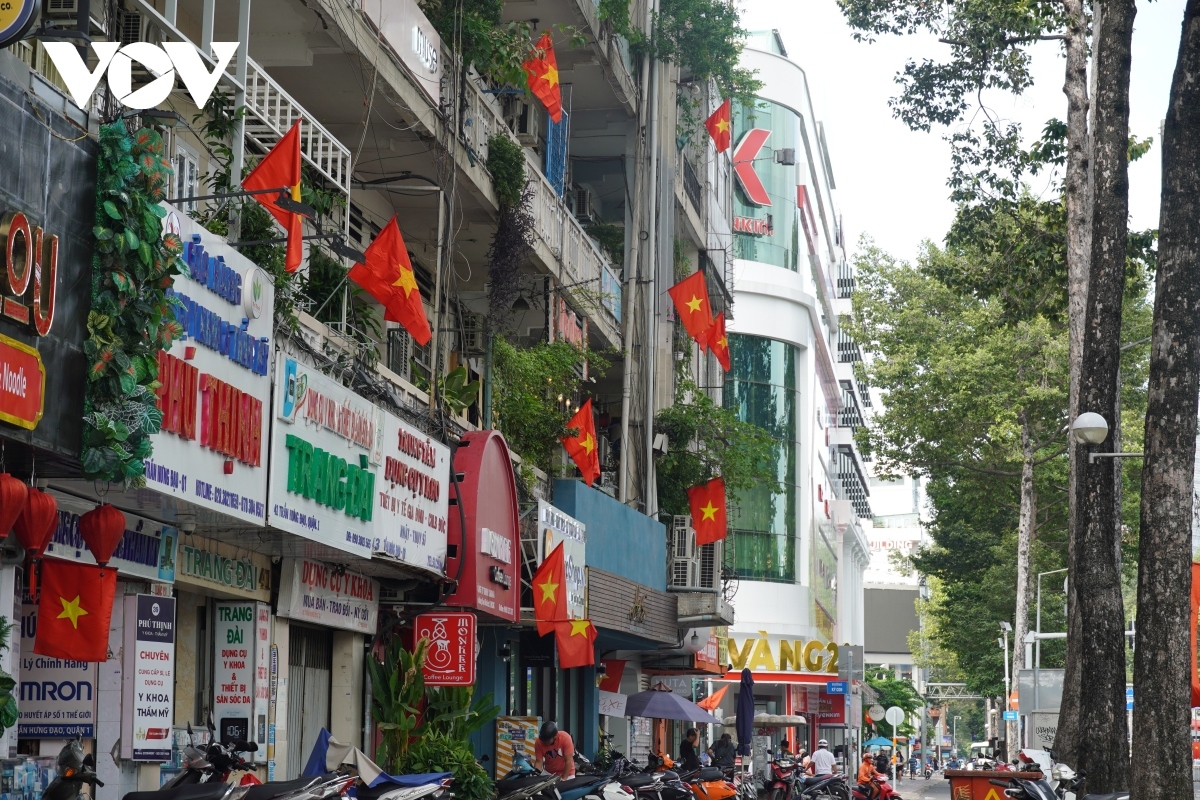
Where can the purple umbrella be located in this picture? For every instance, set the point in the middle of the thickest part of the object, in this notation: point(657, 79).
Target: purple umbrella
point(665, 704)
point(744, 711)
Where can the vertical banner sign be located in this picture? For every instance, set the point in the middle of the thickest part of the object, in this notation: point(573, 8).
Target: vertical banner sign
point(271, 712)
point(148, 690)
point(234, 646)
point(451, 657)
point(554, 527)
point(57, 697)
point(262, 678)
point(412, 497)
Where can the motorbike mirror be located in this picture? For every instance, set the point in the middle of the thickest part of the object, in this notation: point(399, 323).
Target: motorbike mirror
point(485, 758)
point(89, 761)
point(247, 747)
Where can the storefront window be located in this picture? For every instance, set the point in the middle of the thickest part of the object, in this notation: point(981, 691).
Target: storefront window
point(761, 388)
point(768, 232)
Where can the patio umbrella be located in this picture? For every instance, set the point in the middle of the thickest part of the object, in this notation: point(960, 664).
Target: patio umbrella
point(665, 704)
point(878, 741)
point(744, 711)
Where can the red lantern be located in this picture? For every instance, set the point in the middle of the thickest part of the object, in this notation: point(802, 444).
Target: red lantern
point(12, 501)
point(102, 529)
point(35, 527)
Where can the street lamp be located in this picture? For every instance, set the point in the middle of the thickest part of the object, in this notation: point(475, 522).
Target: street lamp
point(954, 737)
point(1009, 740)
point(1089, 428)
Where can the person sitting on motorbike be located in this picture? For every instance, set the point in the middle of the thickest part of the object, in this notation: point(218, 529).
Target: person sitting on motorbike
point(866, 777)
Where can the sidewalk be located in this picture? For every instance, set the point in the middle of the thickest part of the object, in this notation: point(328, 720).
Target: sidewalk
point(936, 788)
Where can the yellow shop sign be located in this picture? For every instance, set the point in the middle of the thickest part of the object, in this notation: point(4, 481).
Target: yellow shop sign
point(773, 653)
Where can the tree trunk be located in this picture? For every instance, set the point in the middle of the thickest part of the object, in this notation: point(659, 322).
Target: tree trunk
point(1103, 751)
point(1079, 238)
point(1025, 524)
point(1162, 670)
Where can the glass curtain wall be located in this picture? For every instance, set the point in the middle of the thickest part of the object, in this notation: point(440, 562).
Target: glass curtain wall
point(761, 388)
point(776, 239)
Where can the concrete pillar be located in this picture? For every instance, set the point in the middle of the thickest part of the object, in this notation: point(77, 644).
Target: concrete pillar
point(345, 697)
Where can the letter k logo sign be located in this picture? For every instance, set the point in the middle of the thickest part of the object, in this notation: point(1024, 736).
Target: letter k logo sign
point(743, 166)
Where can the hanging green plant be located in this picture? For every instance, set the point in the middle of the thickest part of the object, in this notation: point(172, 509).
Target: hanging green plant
point(132, 316)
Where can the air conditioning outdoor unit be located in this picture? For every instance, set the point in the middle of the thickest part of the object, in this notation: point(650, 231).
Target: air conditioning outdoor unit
point(61, 8)
point(473, 334)
point(524, 119)
point(693, 568)
point(585, 204)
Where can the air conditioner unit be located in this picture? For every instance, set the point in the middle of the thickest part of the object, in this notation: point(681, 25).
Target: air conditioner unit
point(524, 119)
point(693, 568)
point(603, 449)
point(132, 27)
point(61, 8)
point(400, 352)
point(473, 341)
point(585, 204)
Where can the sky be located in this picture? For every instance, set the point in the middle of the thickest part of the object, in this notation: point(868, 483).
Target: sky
point(891, 182)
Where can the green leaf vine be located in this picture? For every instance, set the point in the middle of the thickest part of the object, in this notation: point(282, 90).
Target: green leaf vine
point(132, 316)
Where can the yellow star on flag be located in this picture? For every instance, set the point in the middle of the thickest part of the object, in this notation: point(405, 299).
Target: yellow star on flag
point(588, 444)
point(551, 76)
point(708, 512)
point(71, 610)
point(722, 343)
point(548, 591)
point(693, 304)
point(722, 125)
point(405, 281)
point(579, 627)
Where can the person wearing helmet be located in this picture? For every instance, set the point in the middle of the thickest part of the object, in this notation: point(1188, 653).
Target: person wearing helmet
point(823, 762)
point(554, 751)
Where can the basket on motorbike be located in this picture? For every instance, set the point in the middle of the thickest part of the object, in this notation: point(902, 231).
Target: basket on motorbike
point(974, 784)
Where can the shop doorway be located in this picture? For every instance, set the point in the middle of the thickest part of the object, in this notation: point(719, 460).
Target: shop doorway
point(310, 675)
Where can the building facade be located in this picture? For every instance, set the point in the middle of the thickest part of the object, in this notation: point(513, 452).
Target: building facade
point(798, 548)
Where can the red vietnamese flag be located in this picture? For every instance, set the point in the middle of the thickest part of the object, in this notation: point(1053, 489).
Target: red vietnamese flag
point(690, 296)
point(550, 591)
point(281, 168)
point(575, 640)
point(707, 503)
point(388, 277)
point(718, 341)
point(541, 70)
point(582, 446)
point(720, 128)
point(74, 610)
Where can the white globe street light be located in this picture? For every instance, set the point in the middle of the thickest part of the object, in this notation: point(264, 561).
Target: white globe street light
point(1089, 428)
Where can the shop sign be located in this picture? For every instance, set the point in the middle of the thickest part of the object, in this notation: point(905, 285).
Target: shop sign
point(412, 497)
point(556, 527)
point(16, 18)
point(313, 591)
point(612, 704)
point(325, 448)
point(774, 653)
point(224, 567)
point(450, 660)
point(486, 550)
point(146, 551)
point(754, 226)
point(45, 235)
point(57, 698)
point(708, 658)
point(241, 638)
point(216, 381)
point(412, 38)
point(148, 678)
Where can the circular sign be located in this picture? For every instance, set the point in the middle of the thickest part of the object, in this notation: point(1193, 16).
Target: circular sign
point(894, 715)
point(16, 18)
point(876, 711)
point(253, 290)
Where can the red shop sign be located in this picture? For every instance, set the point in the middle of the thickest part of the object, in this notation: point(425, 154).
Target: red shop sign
point(22, 384)
point(451, 657)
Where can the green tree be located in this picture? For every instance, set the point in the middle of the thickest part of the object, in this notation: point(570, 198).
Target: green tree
point(895, 691)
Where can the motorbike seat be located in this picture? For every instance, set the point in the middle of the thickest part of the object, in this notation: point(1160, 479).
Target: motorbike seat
point(637, 779)
point(269, 791)
point(1110, 796)
point(190, 791)
point(711, 774)
point(580, 781)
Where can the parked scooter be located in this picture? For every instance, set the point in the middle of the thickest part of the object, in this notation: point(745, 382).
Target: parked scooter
point(73, 769)
point(523, 782)
point(1058, 781)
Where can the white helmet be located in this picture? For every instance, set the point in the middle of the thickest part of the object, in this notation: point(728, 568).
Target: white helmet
point(823, 743)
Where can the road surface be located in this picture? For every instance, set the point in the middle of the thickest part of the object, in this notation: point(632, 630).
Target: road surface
point(936, 788)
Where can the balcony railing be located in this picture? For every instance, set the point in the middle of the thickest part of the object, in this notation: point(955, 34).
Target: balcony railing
point(848, 350)
point(849, 416)
point(845, 280)
point(851, 485)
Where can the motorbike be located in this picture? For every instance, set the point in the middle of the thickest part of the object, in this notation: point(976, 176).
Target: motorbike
point(783, 773)
point(73, 769)
point(817, 787)
point(708, 783)
point(1058, 781)
point(524, 782)
point(886, 792)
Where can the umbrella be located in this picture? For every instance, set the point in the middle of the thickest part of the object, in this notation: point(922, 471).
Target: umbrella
point(764, 720)
point(745, 713)
point(878, 741)
point(665, 704)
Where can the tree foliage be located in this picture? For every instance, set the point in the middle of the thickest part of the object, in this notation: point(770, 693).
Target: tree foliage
point(132, 314)
point(897, 692)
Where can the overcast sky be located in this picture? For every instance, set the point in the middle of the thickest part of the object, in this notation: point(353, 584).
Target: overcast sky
point(891, 182)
